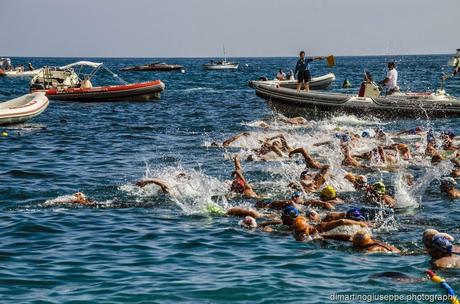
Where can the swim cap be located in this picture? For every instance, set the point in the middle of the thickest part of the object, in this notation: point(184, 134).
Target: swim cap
point(365, 134)
point(248, 222)
point(304, 173)
point(355, 214)
point(442, 244)
point(291, 211)
point(338, 134)
point(361, 239)
point(379, 188)
point(300, 224)
point(296, 194)
point(362, 179)
point(328, 193)
point(430, 136)
point(346, 138)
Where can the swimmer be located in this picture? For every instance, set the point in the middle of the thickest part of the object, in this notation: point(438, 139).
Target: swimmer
point(240, 184)
point(448, 140)
point(155, 181)
point(311, 182)
point(402, 149)
point(414, 131)
point(296, 201)
point(305, 229)
point(377, 194)
point(448, 187)
point(359, 181)
point(329, 195)
point(310, 162)
point(439, 246)
point(349, 160)
point(80, 198)
point(364, 242)
point(242, 212)
point(294, 120)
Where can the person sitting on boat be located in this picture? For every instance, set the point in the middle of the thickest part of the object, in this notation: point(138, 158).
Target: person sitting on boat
point(20, 68)
point(31, 67)
point(391, 81)
point(302, 71)
point(86, 83)
point(281, 75)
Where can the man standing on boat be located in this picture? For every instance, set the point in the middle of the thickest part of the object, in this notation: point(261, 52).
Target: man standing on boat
point(302, 71)
point(391, 81)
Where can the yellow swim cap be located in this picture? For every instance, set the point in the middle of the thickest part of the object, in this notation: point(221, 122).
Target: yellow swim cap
point(4, 133)
point(328, 193)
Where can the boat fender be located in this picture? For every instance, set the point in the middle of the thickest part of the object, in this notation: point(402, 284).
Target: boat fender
point(346, 84)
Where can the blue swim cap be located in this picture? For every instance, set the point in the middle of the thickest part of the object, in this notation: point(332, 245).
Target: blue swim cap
point(296, 194)
point(366, 134)
point(338, 134)
point(355, 214)
point(291, 211)
point(346, 138)
point(441, 243)
point(430, 136)
point(413, 131)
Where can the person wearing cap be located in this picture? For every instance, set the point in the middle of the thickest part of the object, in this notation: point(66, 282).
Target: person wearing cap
point(296, 201)
point(377, 194)
point(391, 81)
point(359, 181)
point(363, 241)
point(448, 187)
point(363, 214)
point(305, 229)
point(31, 68)
point(311, 182)
point(329, 194)
point(441, 249)
point(240, 184)
point(414, 131)
point(281, 75)
point(447, 138)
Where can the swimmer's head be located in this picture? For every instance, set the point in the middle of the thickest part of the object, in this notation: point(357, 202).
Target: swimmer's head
point(304, 174)
point(430, 138)
point(428, 235)
point(301, 225)
point(248, 222)
point(442, 244)
point(362, 239)
point(447, 183)
point(355, 214)
point(312, 215)
point(361, 180)
point(328, 193)
point(379, 188)
point(291, 211)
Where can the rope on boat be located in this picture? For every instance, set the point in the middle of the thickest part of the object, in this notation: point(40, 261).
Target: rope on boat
point(450, 292)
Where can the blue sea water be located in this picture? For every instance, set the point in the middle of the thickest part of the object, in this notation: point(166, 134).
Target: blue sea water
point(167, 249)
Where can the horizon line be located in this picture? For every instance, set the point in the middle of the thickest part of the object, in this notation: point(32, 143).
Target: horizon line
point(211, 57)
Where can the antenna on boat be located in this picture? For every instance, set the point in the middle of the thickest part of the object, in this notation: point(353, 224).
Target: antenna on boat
point(225, 55)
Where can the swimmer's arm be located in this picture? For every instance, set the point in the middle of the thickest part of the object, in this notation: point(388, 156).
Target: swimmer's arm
point(308, 159)
point(342, 222)
point(319, 203)
point(277, 151)
point(234, 138)
point(322, 143)
point(237, 163)
point(241, 212)
point(155, 181)
point(333, 216)
point(280, 204)
point(337, 237)
point(269, 223)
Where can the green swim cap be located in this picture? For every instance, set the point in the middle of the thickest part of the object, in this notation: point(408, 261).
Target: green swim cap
point(215, 209)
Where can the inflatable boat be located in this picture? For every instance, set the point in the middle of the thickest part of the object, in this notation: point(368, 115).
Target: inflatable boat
point(316, 83)
point(16, 73)
point(22, 108)
point(367, 101)
point(63, 83)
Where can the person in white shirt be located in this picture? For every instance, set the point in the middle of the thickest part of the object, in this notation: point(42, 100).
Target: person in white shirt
point(391, 81)
point(281, 75)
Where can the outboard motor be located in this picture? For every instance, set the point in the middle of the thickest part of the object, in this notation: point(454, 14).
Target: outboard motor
point(368, 87)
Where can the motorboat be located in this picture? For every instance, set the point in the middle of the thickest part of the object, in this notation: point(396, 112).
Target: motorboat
point(316, 83)
point(221, 64)
point(368, 101)
point(157, 66)
point(22, 108)
point(69, 83)
point(6, 69)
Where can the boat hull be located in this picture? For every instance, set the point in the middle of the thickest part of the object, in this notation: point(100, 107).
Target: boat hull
point(232, 66)
point(21, 74)
point(147, 68)
point(22, 108)
point(291, 103)
point(316, 83)
point(132, 92)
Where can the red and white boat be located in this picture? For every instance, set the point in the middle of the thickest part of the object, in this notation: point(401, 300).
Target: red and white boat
point(22, 108)
point(63, 83)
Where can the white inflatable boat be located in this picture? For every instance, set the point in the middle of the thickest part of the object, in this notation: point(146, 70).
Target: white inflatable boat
point(316, 83)
point(22, 108)
point(15, 73)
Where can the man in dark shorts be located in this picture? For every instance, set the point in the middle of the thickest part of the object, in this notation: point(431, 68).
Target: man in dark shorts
point(302, 71)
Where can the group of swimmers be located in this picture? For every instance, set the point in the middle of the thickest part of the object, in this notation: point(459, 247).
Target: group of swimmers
point(313, 210)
